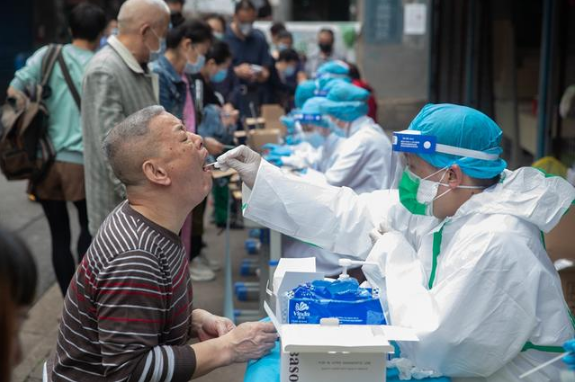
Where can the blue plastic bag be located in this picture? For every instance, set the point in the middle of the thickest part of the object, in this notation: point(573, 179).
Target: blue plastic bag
point(342, 299)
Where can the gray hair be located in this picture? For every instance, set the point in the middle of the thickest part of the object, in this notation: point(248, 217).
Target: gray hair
point(121, 144)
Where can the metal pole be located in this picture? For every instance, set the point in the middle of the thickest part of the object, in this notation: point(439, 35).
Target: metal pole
point(228, 294)
point(544, 77)
point(516, 150)
point(470, 55)
point(431, 37)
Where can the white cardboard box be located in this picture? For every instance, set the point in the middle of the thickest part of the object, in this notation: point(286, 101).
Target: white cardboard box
point(329, 351)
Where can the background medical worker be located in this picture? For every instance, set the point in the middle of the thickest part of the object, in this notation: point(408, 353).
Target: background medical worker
point(319, 134)
point(458, 246)
point(354, 152)
point(329, 71)
point(362, 159)
point(322, 142)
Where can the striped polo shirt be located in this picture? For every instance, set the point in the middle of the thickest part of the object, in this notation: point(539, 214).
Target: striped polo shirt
point(127, 313)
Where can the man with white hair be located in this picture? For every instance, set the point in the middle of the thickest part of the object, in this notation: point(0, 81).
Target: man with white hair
point(117, 83)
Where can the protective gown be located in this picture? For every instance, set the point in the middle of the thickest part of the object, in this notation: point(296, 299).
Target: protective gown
point(360, 162)
point(477, 287)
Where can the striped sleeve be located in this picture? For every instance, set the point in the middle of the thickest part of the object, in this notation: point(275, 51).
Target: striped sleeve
point(132, 300)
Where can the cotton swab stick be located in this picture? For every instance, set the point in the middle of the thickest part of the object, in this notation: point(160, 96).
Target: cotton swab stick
point(543, 365)
point(215, 164)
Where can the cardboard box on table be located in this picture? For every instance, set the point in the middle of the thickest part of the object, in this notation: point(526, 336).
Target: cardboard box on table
point(561, 249)
point(258, 138)
point(264, 129)
point(258, 123)
point(328, 351)
point(271, 114)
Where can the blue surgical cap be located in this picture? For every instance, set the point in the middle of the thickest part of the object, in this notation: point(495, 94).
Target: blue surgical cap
point(334, 67)
point(303, 92)
point(343, 92)
point(334, 81)
point(313, 106)
point(288, 121)
point(464, 127)
point(330, 71)
point(324, 81)
point(346, 102)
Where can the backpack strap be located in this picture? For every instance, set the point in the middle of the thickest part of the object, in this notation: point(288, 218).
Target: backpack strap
point(69, 81)
point(48, 62)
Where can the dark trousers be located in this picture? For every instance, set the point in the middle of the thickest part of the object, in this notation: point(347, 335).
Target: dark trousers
point(56, 212)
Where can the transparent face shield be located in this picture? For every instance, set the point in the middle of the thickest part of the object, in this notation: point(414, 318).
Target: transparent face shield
point(413, 142)
point(310, 122)
point(397, 163)
point(308, 118)
point(311, 125)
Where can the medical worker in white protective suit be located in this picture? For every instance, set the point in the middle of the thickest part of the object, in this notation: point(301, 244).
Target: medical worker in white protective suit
point(362, 159)
point(320, 133)
point(315, 163)
point(305, 148)
point(336, 70)
point(459, 245)
point(322, 139)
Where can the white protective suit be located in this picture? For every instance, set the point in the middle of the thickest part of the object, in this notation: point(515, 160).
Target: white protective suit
point(326, 156)
point(360, 162)
point(320, 159)
point(493, 288)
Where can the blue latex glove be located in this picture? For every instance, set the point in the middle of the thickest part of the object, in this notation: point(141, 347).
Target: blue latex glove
point(292, 140)
point(289, 123)
point(278, 150)
point(569, 359)
point(393, 375)
point(274, 159)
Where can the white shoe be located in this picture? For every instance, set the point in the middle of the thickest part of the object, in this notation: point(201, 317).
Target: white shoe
point(214, 265)
point(200, 272)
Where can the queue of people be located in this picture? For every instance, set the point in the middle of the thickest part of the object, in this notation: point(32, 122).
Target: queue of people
point(455, 235)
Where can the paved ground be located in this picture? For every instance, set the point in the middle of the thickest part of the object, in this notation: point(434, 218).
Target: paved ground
point(20, 215)
point(17, 213)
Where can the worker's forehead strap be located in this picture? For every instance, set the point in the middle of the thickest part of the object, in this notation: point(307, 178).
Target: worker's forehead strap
point(412, 141)
point(331, 75)
point(308, 118)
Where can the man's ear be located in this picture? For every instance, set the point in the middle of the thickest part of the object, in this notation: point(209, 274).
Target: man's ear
point(143, 29)
point(156, 173)
point(454, 176)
